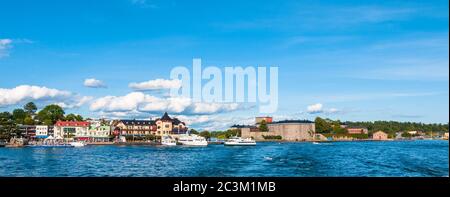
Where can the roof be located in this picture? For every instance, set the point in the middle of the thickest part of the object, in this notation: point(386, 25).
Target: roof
point(166, 117)
point(138, 122)
point(72, 123)
point(177, 122)
point(292, 121)
point(243, 126)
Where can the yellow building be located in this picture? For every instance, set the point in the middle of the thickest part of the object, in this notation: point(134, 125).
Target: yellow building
point(169, 126)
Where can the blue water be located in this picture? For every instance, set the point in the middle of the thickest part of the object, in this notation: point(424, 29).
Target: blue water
point(395, 158)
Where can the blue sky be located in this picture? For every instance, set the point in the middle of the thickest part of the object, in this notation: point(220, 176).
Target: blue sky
point(360, 60)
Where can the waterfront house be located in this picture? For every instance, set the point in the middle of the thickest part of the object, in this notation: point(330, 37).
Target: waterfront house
point(445, 137)
point(99, 131)
point(289, 130)
point(357, 130)
point(27, 131)
point(134, 127)
point(380, 135)
point(71, 129)
point(41, 131)
point(170, 126)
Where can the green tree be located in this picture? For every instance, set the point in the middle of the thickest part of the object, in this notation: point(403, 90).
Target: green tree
point(50, 114)
point(29, 121)
point(263, 126)
point(337, 129)
point(205, 134)
point(73, 117)
point(193, 131)
point(30, 108)
point(7, 126)
point(19, 116)
point(322, 126)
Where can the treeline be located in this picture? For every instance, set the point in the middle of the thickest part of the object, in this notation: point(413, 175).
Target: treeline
point(217, 134)
point(334, 126)
point(27, 116)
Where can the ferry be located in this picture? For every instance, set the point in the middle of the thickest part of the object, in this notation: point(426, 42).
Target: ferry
point(192, 140)
point(238, 141)
point(168, 141)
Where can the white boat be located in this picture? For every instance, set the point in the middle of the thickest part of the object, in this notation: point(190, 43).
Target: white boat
point(238, 141)
point(192, 140)
point(77, 144)
point(168, 141)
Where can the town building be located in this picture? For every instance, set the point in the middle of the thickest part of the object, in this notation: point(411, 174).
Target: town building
point(97, 134)
point(161, 126)
point(289, 130)
point(99, 131)
point(380, 135)
point(41, 131)
point(27, 131)
point(357, 130)
point(170, 126)
point(71, 129)
point(134, 127)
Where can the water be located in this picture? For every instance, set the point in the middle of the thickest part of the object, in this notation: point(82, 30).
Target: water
point(395, 158)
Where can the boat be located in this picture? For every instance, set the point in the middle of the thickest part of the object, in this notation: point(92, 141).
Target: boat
point(192, 140)
point(238, 141)
point(77, 144)
point(51, 146)
point(168, 141)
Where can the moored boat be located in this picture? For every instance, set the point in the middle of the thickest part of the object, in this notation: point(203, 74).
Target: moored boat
point(168, 141)
point(77, 144)
point(238, 141)
point(192, 140)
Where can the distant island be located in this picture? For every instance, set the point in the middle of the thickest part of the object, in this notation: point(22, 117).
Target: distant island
point(33, 125)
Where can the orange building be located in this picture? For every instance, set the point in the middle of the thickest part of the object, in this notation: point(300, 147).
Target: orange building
point(380, 135)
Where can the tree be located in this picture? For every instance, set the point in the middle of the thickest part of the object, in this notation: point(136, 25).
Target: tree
point(337, 129)
point(73, 117)
point(7, 126)
point(19, 116)
point(28, 121)
point(30, 108)
point(50, 114)
point(205, 134)
point(263, 126)
point(322, 126)
point(193, 131)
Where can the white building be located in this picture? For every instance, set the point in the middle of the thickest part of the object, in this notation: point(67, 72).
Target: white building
point(70, 129)
point(41, 131)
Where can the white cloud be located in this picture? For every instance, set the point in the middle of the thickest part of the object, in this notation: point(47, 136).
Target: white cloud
point(156, 84)
point(78, 102)
point(318, 108)
point(26, 92)
point(138, 101)
point(44, 95)
point(94, 83)
point(5, 44)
